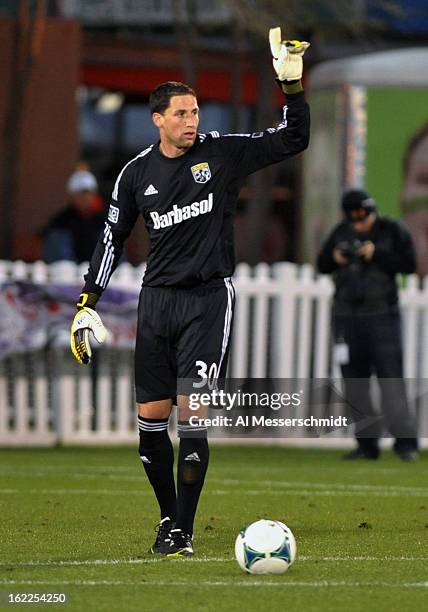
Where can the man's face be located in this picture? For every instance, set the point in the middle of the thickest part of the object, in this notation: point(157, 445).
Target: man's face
point(83, 200)
point(365, 225)
point(178, 124)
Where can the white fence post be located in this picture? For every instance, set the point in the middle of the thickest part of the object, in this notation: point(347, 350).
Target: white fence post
point(285, 311)
point(40, 390)
point(64, 397)
point(423, 408)
point(322, 326)
point(86, 408)
point(260, 326)
point(4, 404)
point(304, 331)
point(104, 394)
point(20, 384)
point(125, 407)
point(241, 323)
point(409, 300)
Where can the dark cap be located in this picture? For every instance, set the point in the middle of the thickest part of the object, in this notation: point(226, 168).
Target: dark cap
point(357, 204)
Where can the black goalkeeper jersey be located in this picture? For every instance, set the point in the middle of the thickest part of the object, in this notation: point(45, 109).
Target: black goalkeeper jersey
point(188, 202)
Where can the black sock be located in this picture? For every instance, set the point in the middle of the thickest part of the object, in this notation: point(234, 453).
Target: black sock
point(157, 456)
point(192, 466)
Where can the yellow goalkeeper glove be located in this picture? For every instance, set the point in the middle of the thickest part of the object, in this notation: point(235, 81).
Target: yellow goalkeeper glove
point(86, 320)
point(287, 56)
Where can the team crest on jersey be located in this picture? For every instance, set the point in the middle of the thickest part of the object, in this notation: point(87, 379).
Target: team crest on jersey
point(201, 172)
point(113, 214)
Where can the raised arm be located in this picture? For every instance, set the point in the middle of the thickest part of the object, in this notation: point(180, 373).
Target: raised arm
point(251, 152)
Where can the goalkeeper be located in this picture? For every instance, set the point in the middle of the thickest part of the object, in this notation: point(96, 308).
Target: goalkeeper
point(185, 186)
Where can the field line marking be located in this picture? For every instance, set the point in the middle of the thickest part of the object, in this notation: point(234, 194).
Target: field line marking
point(161, 559)
point(111, 469)
point(361, 558)
point(228, 481)
point(74, 475)
point(321, 485)
point(77, 491)
point(251, 492)
point(250, 582)
point(79, 562)
point(324, 493)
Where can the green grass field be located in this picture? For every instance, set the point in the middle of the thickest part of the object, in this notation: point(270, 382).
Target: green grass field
point(80, 521)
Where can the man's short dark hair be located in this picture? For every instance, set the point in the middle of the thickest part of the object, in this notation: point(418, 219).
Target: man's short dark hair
point(160, 97)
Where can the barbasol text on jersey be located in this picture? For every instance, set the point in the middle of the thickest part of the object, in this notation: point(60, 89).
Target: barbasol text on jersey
point(178, 215)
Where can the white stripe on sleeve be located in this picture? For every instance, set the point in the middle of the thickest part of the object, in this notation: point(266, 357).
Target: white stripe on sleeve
point(116, 185)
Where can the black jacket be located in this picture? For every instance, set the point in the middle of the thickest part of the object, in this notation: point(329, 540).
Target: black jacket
point(188, 202)
point(75, 232)
point(368, 286)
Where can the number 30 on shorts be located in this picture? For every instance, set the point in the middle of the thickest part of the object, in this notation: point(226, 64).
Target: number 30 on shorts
point(208, 375)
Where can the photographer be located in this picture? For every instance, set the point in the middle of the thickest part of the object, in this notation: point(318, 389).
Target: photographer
point(364, 253)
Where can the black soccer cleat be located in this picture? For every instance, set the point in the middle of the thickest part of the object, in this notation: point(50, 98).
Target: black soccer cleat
point(163, 539)
point(360, 453)
point(180, 544)
point(407, 454)
point(406, 449)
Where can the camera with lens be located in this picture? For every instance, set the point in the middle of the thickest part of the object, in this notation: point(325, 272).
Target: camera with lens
point(350, 250)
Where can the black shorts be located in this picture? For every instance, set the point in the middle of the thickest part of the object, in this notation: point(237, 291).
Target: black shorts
point(182, 334)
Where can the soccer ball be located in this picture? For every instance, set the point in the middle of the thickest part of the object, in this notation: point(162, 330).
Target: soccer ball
point(265, 547)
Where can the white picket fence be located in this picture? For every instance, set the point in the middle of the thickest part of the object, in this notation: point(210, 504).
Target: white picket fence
point(281, 330)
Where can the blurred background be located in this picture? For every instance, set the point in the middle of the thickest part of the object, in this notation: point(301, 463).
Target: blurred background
point(75, 78)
